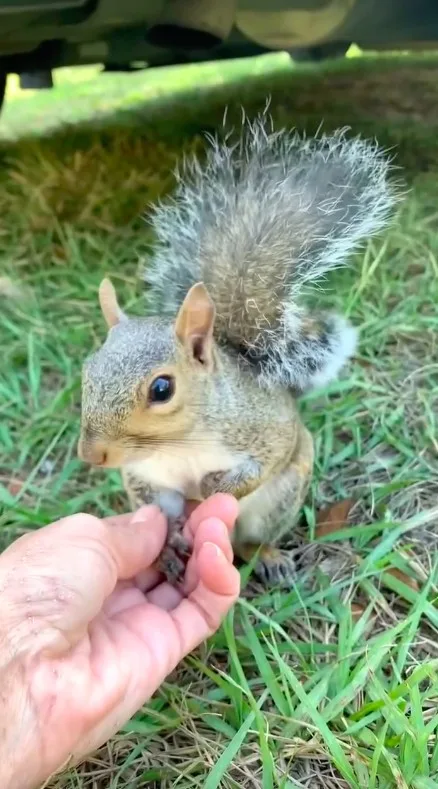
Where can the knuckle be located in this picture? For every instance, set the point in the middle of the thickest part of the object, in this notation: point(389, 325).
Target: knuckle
point(90, 524)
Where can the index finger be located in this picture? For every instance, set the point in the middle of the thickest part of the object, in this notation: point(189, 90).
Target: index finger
point(220, 506)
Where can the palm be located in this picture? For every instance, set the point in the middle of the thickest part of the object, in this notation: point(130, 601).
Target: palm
point(123, 657)
point(102, 646)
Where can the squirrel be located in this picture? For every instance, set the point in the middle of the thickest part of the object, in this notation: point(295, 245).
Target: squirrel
point(201, 397)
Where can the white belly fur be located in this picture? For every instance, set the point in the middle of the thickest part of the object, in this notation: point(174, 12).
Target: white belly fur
point(182, 468)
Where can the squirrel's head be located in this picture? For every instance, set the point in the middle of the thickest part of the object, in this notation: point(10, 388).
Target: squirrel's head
point(146, 384)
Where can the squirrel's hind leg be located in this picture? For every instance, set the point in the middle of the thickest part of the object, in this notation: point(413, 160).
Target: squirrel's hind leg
point(274, 566)
point(271, 512)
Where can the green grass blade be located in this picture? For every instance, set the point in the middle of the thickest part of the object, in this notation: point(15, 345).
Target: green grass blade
point(216, 774)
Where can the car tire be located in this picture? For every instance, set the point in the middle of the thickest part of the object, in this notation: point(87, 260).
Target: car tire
point(3, 79)
point(336, 49)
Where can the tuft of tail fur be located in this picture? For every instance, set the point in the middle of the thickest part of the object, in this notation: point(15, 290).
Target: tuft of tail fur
point(259, 222)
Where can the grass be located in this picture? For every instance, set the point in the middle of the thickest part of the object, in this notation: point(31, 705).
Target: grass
point(334, 684)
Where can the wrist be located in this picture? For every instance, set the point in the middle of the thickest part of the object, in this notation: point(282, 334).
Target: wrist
point(17, 730)
point(19, 741)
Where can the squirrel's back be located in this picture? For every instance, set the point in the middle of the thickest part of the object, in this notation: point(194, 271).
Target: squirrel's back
point(258, 222)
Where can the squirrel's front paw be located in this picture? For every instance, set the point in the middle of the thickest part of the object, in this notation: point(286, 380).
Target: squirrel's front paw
point(172, 565)
point(173, 559)
point(276, 567)
point(238, 482)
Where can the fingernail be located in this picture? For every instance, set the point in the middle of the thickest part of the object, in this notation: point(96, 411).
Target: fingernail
point(145, 513)
point(214, 549)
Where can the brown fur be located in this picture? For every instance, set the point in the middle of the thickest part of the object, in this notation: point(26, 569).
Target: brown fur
point(220, 431)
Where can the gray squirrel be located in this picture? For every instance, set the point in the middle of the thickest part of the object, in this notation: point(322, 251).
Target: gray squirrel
point(201, 397)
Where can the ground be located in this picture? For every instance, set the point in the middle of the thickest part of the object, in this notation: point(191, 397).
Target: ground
point(335, 683)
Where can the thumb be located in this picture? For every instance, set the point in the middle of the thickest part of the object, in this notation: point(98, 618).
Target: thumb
point(64, 572)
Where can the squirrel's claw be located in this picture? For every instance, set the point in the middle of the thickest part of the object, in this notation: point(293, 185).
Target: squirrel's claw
point(174, 556)
point(277, 569)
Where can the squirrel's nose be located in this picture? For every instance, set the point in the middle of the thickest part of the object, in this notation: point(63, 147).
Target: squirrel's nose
point(90, 453)
point(98, 457)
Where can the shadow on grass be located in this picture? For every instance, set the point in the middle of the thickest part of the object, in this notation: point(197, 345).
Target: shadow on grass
point(391, 99)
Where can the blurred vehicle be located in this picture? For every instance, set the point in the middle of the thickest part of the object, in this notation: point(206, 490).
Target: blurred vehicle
point(37, 36)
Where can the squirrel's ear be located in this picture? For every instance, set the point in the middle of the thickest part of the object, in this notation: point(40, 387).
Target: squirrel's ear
point(195, 322)
point(109, 304)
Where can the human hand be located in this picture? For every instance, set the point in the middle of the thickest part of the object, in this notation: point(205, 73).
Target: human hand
point(88, 632)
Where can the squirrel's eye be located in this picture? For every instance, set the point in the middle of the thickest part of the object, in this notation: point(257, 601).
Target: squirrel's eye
point(161, 390)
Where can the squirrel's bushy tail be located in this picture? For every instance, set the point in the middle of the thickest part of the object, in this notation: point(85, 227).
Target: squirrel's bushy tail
point(258, 222)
